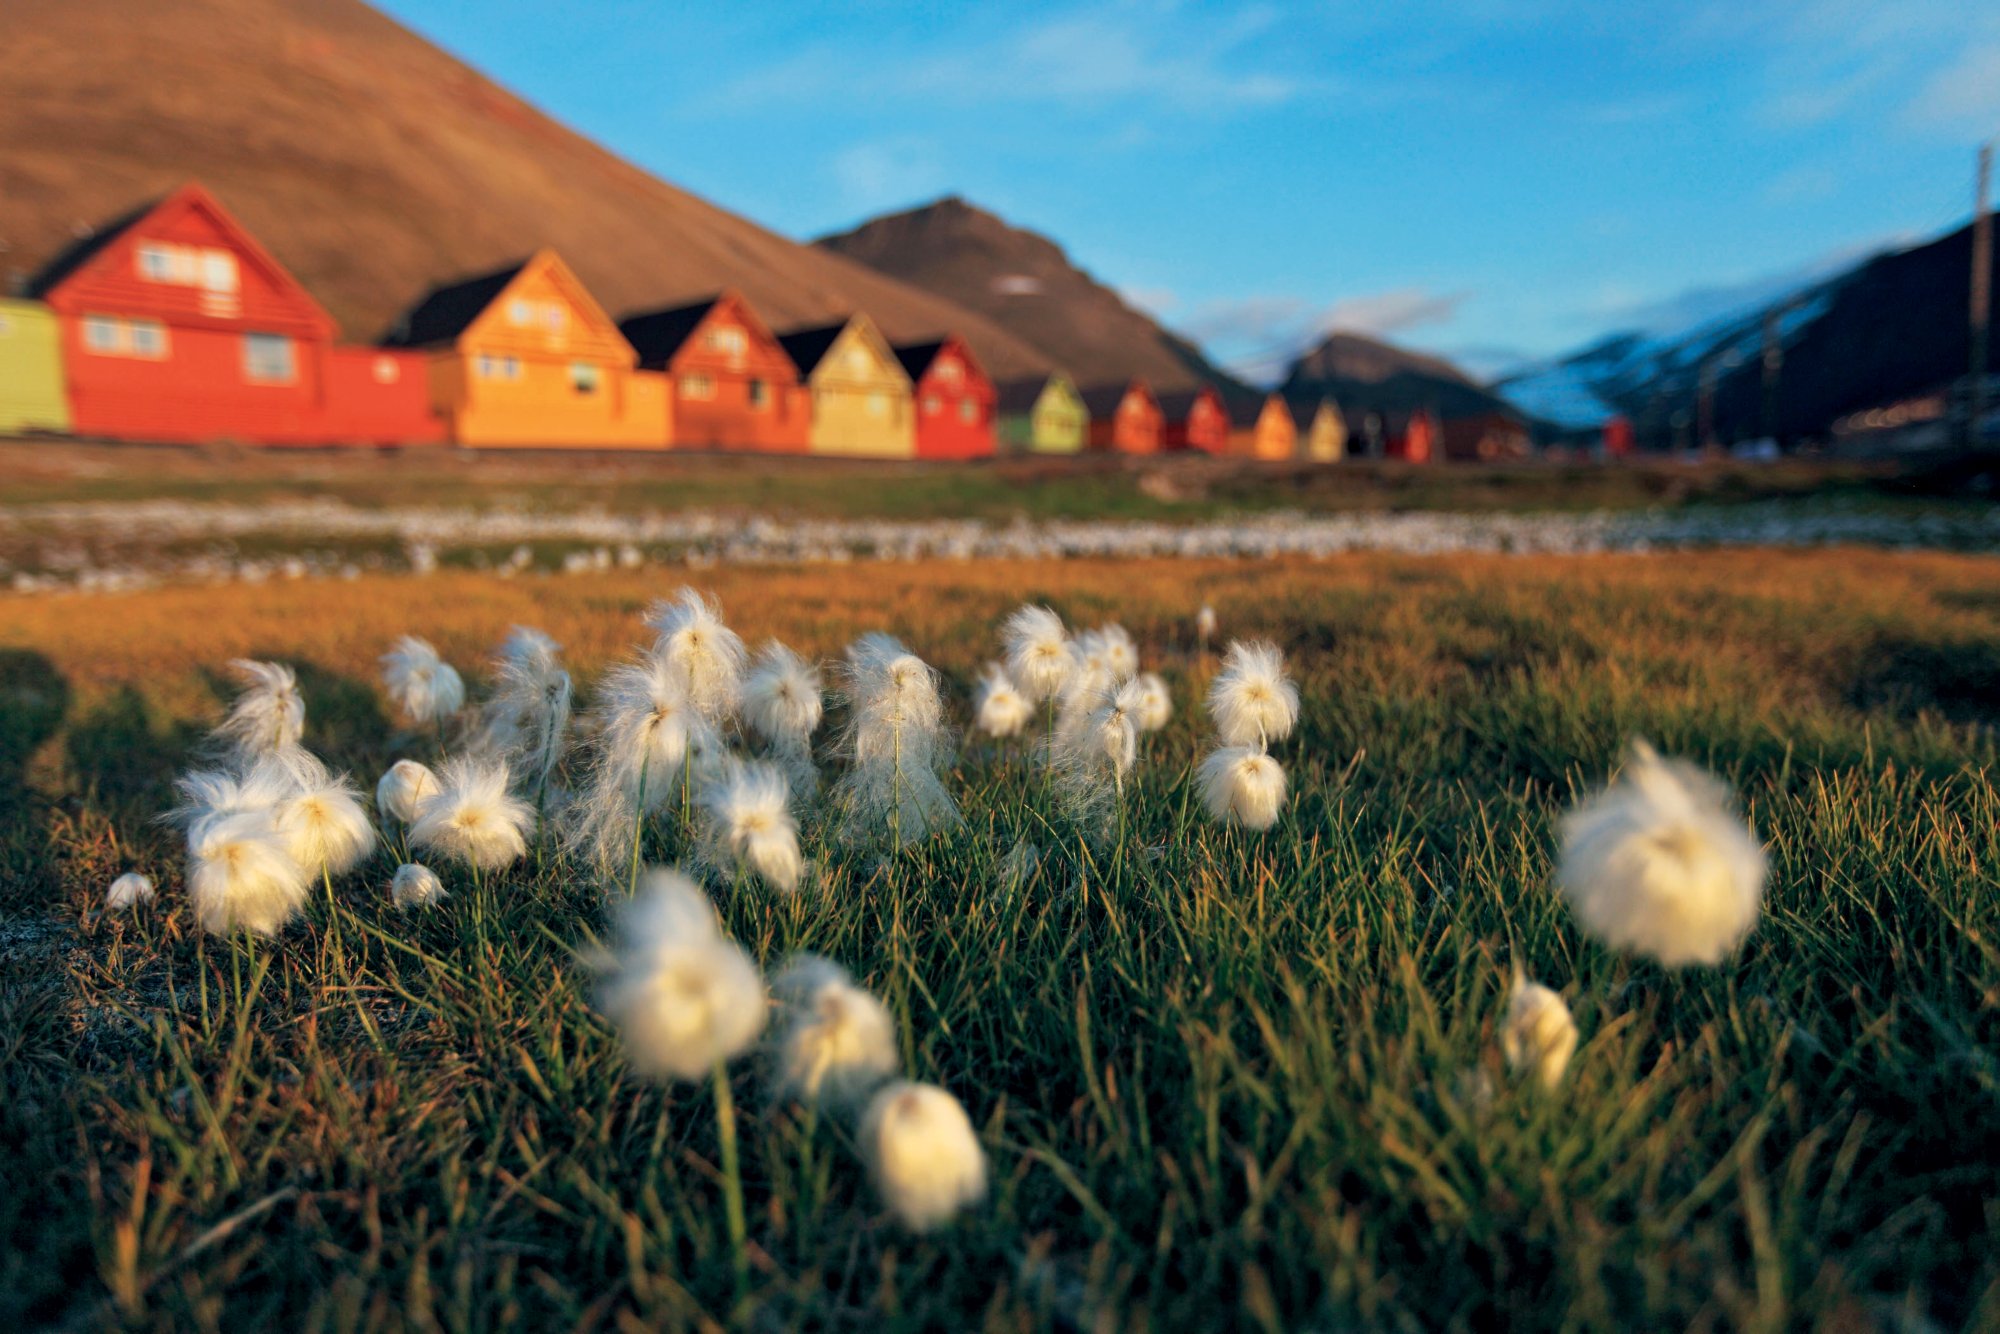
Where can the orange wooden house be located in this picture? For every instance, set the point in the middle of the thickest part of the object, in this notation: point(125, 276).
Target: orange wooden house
point(1124, 419)
point(955, 399)
point(1194, 419)
point(733, 386)
point(525, 357)
point(1264, 430)
point(177, 326)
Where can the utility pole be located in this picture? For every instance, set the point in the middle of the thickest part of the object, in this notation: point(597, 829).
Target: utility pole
point(1979, 306)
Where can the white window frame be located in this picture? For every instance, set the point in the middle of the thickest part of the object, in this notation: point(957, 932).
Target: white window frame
point(254, 368)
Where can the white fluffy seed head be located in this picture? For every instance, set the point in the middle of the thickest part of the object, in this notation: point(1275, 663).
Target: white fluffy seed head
point(1657, 864)
point(241, 875)
point(425, 687)
point(1243, 785)
point(415, 886)
point(1156, 702)
point(838, 1041)
point(1115, 648)
point(684, 999)
point(268, 715)
point(214, 794)
point(323, 823)
point(782, 700)
point(129, 890)
point(752, 826)
point(1539, 1036)
point(1204, 623)
point(1020, 866)
point(526, 719)
point(473, 818)
point(1040, 657)
point(701, 650)
point(922, 1153)
point(1001, 710)
point(403, 787)
point(1252, 701)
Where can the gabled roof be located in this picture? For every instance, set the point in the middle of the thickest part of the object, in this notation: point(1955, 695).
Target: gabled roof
point(1176, 404)
point(1018, 397)
point(808, 347)
point(917, 357)
point(1245, 414)
point(1103, 399)
point(86, 247)
point(446, 312)
point(658, 335)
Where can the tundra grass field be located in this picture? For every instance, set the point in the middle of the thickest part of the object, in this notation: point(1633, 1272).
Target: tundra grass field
point(1221, 1079)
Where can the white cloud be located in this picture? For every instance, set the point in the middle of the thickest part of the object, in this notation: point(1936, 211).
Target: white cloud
point(1395, 311)
point(1964, 95)
point(881, 173)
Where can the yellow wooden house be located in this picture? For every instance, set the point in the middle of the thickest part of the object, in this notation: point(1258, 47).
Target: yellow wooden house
point(863, 405)
point(32, 394)
point(1264, 430)
point(1043, 414)
point(1323, 432)
point(525, 357)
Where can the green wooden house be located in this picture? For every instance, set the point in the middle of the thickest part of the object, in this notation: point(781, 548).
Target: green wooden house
point(32, 397)
point(1042, 415)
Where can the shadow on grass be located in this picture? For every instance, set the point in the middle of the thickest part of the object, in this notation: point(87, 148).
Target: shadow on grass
point(1957, 681)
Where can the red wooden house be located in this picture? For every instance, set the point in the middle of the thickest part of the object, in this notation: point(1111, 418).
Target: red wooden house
point(955, 399)
point(1124, 419)
point(1417, 441)
point(734, 387)
point(178, 326)
point(1194, 419)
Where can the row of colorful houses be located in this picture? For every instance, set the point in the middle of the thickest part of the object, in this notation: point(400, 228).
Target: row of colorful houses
point(174, 325)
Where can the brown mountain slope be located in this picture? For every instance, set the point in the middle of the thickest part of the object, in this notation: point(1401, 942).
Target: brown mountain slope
point(1364, 374)
point(1025, 283)
point(375, 165)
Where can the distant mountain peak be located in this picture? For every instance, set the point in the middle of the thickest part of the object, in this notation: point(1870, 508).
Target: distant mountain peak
point(1027, 284)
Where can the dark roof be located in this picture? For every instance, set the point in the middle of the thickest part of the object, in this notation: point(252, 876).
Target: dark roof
point(807, 347)
point(1244, 415)
point(658, 334)
point(1176, 404)
point(82, 250)
point(445, 311)
point(1103, 399)
point(917, 357)
point(1016, 397)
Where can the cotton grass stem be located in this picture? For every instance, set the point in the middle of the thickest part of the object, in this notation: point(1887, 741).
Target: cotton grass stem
point(732, 1179)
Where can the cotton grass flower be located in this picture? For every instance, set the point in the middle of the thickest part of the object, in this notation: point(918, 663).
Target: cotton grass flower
point(404, 787)
point(838, 1041)
point(1040, 657)
point(1204, 626)
point(750, 826)
point(1242, 785)
point(130, 890)
point(427, 689)
point(684, 999)
point(415, 886)
point(473, 818)
point(704, 652)
point(268, 715)
point(1539, 1036)
point(1001, 710)
point(526, 720)
point(1155, 704)
point(1658, 865)
point(242, 875)
point(210, 795)
point(783, 705)
point(921, 1151)
point(648, 732)
point(1251, 700)
point(896, 738)
point(323, 823)
point(1112, 646)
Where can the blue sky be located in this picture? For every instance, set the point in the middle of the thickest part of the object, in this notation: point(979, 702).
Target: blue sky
point(1496, 180)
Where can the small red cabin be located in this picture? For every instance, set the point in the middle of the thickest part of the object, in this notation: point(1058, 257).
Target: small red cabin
point(733, 385)
point(1124, 419)
point(178, 326)
point(1194, 419)
point(1417, 441)
point(955, 399)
